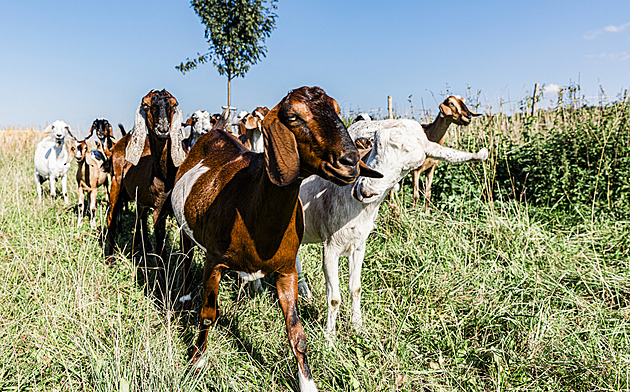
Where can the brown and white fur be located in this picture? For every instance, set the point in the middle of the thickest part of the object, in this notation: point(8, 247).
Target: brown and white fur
point(92, 169)
point(144, 165)
point(243, 210)
point(250, 129)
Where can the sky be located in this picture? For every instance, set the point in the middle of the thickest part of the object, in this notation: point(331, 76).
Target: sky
point(79, 60)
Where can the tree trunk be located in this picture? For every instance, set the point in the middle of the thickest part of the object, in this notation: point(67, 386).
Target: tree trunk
point(229, 91)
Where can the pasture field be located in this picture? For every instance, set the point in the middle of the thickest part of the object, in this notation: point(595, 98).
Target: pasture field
point(507, 286)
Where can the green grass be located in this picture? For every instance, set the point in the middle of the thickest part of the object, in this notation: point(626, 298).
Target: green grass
point(490, 296)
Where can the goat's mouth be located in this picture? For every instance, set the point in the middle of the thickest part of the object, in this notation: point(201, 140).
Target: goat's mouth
point(100, 134)
point(59, 140)
point(362, 194)
point(162, 135)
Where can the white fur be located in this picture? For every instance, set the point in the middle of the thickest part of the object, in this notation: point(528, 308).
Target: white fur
point(343, 222)
point(246, 276)
point(306, 385)
point(185, 298)
point(51, 160)
point(180, 193)
point(201, 125)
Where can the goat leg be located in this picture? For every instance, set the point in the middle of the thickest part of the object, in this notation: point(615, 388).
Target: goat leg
point(355, 263)
point(286, 285)
point(303, 290)
point(209, 310)
point(188, 250)
point(80, 207)
point(427, 188)
point(64, 188)
point(333, 295)
point(92, 205)
point(38, 181)
point(415, 178)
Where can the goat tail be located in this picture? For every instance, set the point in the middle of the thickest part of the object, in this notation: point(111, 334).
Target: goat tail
point(122, 129)
point(446, 154)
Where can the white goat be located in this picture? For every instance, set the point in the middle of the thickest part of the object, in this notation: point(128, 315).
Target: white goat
point(52, 161)
point(343, 219)
point(200, 122)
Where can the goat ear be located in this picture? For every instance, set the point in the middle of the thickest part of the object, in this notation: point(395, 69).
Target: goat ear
point(475, 114)
point(70, 134)
point(135, 147)
point(445, 110)
point(91, 132)
point(282, 159)
point(177, 149)
point(365, 171)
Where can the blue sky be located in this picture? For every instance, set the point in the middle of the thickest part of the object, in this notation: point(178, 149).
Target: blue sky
point(78, 60)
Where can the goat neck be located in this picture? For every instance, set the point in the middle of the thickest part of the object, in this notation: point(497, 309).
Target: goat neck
point(436, 131)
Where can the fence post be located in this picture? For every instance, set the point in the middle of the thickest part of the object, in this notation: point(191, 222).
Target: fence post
point(390, 112)
point(534, 98)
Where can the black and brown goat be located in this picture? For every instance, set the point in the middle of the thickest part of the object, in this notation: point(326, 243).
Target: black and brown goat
point(144, 164)
point(92, 169)
point(243, 210)
point(104, 134)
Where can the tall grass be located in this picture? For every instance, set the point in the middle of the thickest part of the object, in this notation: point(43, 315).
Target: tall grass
point(489, 292)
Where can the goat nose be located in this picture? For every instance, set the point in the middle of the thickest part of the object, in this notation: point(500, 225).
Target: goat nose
point(349, 159)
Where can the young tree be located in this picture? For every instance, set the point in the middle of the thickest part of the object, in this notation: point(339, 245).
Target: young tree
point(235, 31)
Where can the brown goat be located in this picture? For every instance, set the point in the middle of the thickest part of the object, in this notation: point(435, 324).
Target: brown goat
point(144, 164)
point(250, 129)
point(242, 208)
point(452, 111)
point(92, 168)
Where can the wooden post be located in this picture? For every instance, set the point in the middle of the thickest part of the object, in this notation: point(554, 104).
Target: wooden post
point(534, 99)
point(390, 111)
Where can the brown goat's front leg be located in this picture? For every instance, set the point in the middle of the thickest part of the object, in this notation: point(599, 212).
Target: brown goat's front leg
point(159, 230)
point(287, 286)
point(93, 193)
point(427, 188)
point(415, 179)
point(209, 310)
point(112, 216)
point(80, 207)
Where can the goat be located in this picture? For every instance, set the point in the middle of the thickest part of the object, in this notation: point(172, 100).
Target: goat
point(250, 129)
point(242, 208)
point(342, 220)
point(452, 111)
point(92, 168)
point(104, 134)
point(144, 164)
point(199, 122)
point(52, 161)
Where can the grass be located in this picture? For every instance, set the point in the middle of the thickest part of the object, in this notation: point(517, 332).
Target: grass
point(487, 297)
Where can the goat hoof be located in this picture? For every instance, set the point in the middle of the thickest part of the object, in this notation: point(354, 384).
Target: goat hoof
point(305, 292)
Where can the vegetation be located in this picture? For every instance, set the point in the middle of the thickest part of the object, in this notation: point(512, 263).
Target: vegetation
point(518, 280)
point(235, 31)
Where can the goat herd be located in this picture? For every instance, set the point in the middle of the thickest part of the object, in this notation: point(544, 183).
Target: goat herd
point(293, 176)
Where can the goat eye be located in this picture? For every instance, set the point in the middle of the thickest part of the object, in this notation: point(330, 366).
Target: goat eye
point(292, 117)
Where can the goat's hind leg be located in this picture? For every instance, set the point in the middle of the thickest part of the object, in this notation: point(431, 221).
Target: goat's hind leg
point(39, 180)
point(333, 296)
point(92, 205)
point(286, 285)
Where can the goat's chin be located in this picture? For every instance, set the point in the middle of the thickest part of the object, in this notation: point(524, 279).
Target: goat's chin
point(358, 195)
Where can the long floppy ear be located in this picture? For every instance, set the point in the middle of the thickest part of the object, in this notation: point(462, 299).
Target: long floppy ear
point(91, 132)
point(135, 147)
point(282, 159)
point(177, 149)
point(71, 135)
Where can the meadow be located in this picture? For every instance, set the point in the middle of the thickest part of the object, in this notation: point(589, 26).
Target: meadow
point(518, 280)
